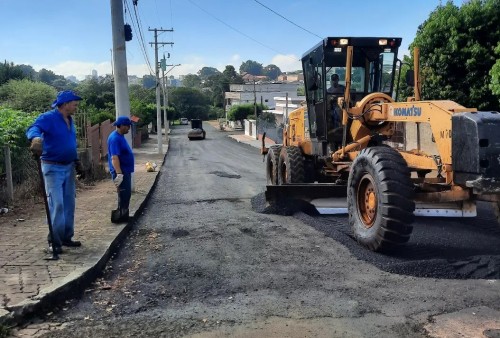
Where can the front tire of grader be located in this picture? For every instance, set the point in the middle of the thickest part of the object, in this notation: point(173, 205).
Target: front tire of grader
point(291, 165)
point(380, 199)
point(272, 162)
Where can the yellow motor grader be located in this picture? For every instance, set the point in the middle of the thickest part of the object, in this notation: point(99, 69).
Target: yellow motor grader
point(355, 140)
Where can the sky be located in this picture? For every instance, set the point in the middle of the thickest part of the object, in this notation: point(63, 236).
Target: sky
point(73, 37)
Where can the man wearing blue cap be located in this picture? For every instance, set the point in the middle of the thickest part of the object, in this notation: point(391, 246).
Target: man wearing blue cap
point(121, 167)
point(53, 139)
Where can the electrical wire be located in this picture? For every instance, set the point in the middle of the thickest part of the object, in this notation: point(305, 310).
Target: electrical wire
point(137, 27)
point(290, 21)
point(238, 31)
point(143, 43)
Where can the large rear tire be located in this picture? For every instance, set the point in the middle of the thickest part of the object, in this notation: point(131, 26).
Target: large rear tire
point(496, 209)
point(291, 166)
point(272, 162)
point(380, 199)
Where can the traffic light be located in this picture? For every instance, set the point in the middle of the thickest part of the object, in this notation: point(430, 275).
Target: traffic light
point(128, 32)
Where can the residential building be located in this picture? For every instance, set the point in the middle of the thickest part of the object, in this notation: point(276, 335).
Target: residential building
point(291, 77)
point(282, 108)
point(259, 92)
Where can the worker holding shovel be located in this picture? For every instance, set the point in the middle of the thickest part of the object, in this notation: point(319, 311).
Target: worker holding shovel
point(53, 143)
point(121, 167)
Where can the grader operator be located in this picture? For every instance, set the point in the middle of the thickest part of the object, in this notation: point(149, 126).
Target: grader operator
point(384, 156)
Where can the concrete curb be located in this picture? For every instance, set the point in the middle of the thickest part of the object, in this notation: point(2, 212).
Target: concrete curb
point(78, 279)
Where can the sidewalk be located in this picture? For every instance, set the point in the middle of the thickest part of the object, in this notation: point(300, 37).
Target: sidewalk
point(28, 282)
point(240, 136)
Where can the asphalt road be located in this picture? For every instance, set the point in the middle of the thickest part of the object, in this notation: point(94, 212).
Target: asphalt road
point(207, 259)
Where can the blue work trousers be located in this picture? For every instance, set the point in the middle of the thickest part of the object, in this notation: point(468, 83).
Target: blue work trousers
point(61, 194)
point(124, 191)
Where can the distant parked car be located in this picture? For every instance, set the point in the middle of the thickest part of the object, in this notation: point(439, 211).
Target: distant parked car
point(184, 121)
point(196, 131)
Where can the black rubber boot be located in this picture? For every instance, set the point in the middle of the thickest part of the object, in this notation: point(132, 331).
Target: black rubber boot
point(119, 216)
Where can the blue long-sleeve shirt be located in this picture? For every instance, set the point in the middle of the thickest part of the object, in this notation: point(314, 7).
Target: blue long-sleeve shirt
point(117, 145)
point(59, 140)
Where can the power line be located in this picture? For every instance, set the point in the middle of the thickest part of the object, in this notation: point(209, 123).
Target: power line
point(281, 16)
point(143, 43)
point(240, 32)
point(137, 26)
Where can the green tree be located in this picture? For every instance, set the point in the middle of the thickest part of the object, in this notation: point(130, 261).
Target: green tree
point(240, 112)
point(245, 111)
point(457, 52)
point(190, 103)
point(46, 76)
point(216, 85)
point(13, 125)
point(495, 73)
point(8, 71)
point(149, 81)
point(26, 95)
point(251, 67)
point(206, 72)
point(301, 90)
point(143, 103)
point(272, 71)
point(99, 93)
point(62, 84)
point(28, 72)
point(214, 88)
point(231, 77)
point(192, 81)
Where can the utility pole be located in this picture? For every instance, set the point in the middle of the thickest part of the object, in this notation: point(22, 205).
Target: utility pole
point(165, 93)
point(157, 71)
point(254, 100)
point(122, 101)
point(165, 102)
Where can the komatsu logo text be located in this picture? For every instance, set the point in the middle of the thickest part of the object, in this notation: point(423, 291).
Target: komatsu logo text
point(407, 111)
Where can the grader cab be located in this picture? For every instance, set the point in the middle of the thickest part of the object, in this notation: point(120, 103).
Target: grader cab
point(392, 160)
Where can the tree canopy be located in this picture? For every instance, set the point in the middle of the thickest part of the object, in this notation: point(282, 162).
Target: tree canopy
point(495, 73)
point(189, 102)
point(192, 81)
point(27, 96)
point(9, 71)
point(272, 71)
point(251, 67)
point(216, 85)
point(457, 53)
point(206, 72)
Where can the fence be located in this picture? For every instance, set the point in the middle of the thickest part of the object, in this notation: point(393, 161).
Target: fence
point(92, 151)
point(23, 175)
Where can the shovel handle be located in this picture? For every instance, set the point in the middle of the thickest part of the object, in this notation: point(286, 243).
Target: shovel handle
point(55, 255)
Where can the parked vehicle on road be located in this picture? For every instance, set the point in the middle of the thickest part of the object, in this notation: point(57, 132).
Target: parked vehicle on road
point(184, 121)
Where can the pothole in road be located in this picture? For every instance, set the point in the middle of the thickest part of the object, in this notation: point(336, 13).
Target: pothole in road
point(177, 233)
point(247, 231)
point(223, 174)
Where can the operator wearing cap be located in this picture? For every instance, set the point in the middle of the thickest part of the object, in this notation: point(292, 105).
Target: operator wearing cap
point(121, 167)
point(53, 139)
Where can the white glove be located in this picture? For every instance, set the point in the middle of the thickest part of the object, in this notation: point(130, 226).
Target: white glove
point(118, 180)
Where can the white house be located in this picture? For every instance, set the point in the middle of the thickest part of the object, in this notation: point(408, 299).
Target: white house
point(282, 108)
point(259, 92)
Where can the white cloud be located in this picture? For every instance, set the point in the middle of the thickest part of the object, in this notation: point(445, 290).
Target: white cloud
point(287, 63)
point(189, 65)
point(235, 58)
point(77, 68)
